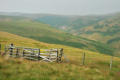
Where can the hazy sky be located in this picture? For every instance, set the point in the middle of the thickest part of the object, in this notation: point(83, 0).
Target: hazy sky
point(71, 7)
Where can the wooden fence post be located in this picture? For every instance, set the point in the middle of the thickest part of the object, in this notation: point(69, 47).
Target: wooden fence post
point(50, 54)
point(111, 61)
point(83, 59)
point(39, 55)
point(61, 53)
point(23, 52)
point(11, 49)
point(17, 52)
point(57, 55)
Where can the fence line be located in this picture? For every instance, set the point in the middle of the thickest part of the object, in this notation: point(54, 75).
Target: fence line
point(49, 55)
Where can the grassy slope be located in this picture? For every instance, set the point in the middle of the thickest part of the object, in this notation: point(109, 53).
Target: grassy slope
point(96, 67)
point(106, 31)
point(68, 23)
point(104, 28)
point(45, 33)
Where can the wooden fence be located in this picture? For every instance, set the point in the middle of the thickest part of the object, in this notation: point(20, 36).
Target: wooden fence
point(49, 55)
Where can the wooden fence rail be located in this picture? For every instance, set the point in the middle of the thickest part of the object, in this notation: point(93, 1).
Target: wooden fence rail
point(49, 55)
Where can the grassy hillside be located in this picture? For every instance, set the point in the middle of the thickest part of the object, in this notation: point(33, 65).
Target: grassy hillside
point(45, 33)
point(69, 23)
point(106, 31)
point(102, 28)
point(96, 65)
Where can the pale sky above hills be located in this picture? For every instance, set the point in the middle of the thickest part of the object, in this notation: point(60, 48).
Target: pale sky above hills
point(66, 7)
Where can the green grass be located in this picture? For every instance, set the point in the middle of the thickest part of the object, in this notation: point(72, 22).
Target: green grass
point(106, 30)
point(96, 65)
point(45, 33)
point(102, 28)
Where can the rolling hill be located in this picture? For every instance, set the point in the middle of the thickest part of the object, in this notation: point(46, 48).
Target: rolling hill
point(96, 65)
point(102, 28)
point(106, 31)
point(42, 32)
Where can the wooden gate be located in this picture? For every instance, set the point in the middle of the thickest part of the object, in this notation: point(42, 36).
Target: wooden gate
point(48, 55)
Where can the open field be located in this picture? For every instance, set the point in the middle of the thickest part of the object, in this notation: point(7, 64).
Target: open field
point(96, 65)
